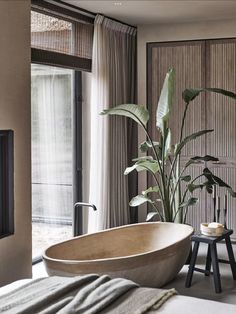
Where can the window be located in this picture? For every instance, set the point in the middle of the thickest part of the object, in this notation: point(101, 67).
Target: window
point(51, 33)
point(61, 42)
point(54, 34)
point(52, 203)
point(61, 47)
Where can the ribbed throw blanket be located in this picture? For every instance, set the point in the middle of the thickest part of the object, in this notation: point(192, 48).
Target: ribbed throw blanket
point(88, 294)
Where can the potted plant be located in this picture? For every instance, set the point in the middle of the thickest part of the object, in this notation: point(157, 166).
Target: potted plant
point(173, 192)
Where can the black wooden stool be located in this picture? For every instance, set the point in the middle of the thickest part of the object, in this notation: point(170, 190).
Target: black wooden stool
point(212, 258)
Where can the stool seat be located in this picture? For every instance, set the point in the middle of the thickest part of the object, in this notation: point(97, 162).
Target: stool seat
point(211, 258)
point(199, 237)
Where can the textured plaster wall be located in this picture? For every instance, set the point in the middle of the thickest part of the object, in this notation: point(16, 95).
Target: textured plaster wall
point(15, 250)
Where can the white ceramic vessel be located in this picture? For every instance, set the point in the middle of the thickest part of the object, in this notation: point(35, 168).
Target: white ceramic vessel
point(212, 229)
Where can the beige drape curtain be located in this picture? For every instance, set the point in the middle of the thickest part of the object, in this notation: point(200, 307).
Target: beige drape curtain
point(113, 83)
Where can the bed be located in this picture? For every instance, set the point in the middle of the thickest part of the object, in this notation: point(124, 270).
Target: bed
point(99, 294)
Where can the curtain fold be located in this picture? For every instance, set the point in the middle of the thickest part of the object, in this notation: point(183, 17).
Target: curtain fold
point(113, 83)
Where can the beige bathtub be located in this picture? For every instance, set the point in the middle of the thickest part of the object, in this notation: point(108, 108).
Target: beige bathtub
point(150, 254)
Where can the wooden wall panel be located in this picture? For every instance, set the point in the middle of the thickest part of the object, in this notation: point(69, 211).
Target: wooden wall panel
point(188, 60)
point(197, 213)
point(222, 110)
point(210, 63)
point(221, 115)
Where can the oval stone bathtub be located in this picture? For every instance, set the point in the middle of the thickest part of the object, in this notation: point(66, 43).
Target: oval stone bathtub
point(150, 254)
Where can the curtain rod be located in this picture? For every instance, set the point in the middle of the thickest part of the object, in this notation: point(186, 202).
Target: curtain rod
point(64, 11)
point(112, 18)
point(90, 12)
point(69, 5)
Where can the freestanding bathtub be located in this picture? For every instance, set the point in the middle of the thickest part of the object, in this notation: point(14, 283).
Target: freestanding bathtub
point(150, 254)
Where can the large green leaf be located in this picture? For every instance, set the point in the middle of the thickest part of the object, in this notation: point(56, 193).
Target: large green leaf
point(190, 93)
point(192, 187)
point(205, 158)
point(190, 202)
point(189, 138)
point(152, 189)
point(199, 159)
point(144, 146)
point(165, 101)
point(139, 200)
point(214, 180)
point(167, 143)
point(136, 112)
point(222, 92)
point(142, 158)
point(130, 169)
point(151, 215)
point(209, 188)
point(148, 165)
point(186, 178)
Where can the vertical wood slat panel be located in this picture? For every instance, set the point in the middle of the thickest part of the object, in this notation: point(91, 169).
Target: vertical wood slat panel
point(221, 115)
point(216, 111)
point(222, 68)
point(188, 60)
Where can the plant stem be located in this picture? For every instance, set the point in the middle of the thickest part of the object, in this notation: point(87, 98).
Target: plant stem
point(157, 159)
point(176, 185)
point(156, 180)
point(180, 140)
point(159, 213)
point(163, 193)
point(183, 122)
point(179, 156)
point(185, 215)
point(185, 193)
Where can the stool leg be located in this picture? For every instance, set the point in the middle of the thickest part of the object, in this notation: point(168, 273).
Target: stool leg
point(215, 265)
point(208, 261)
point(231, 256)
point(192, 265)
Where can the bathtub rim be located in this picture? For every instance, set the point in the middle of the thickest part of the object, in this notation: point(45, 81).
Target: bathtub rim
point(91, 261)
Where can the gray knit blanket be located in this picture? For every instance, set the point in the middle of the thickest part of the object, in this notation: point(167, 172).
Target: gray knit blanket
point(88, 294)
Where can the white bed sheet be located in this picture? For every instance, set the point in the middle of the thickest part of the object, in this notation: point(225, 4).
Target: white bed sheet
point(188, 305)
point(13, 285)
point(177, 304)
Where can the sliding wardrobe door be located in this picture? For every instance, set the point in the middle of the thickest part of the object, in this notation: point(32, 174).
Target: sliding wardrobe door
point(221, 115)
point(188, 60)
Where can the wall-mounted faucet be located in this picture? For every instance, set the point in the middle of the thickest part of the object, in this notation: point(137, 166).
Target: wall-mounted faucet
point(77, 223)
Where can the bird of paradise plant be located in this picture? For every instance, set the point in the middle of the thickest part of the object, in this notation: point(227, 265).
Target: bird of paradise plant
point(169, 201)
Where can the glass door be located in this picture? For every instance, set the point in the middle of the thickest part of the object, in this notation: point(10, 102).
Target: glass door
point(52, 199)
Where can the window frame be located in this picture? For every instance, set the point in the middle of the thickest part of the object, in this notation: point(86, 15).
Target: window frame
point(47, 57)
point(77, 220)
point(50, 58)
point(61, 11)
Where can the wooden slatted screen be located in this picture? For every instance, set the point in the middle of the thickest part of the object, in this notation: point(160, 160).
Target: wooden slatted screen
point(199, 64)
point(221, 114)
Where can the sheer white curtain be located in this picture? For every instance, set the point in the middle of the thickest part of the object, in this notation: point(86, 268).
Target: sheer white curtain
point(113, 81)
